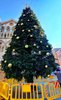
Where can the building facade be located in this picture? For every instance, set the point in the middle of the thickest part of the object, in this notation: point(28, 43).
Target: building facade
point(6, 31)
point(57, 55)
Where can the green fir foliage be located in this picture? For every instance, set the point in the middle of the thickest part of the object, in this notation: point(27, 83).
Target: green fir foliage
point(29, 53)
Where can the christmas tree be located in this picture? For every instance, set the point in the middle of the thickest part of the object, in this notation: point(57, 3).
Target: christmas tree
point(29, 54)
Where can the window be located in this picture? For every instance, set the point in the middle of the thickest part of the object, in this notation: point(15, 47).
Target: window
point(8, 28)
point(11, 24)
point(2, 29)
point(11, 35)
point(1, 35)
point(8, 35)
point(4, 35)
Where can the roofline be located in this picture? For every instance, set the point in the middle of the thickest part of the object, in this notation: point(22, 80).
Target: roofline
point(5, 22)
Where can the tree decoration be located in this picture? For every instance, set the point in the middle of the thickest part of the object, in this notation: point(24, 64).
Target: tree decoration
point(37, 46)
point(48, 75)
point(35, 26)
point(15, 34)
point(28, 20)
point(31, 35)
point(46, 66)
point(42, 34)
point(17, 37)
point(34, 44)
point(8, 46)
point(39, 52)
point(13, 49)
point(47, 46)
point(47, 53)
point(40, 41)
point(5, 61)
point(21, 19)
point(9, 65)
point(29, 30)
point(15, 29)
point(18, 24)
point(23, 30)
point(26, 46)
point(0, 64)
point(24, 55)
point(13, 52)
point(23, 14)
point(21, 23)
point(31, 15)
point(34, 52)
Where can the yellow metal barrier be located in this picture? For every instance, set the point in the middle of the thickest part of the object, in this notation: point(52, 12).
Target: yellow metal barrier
point(27, 91)
point(10, 81)
point(51, 92)
point(4, 90)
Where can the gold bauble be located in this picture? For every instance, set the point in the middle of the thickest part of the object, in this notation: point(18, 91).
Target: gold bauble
point(13, 49)
point(0, 64)
point(31, 15)
point(48, 75)
point(42, 34)
point(9, 65)
point(26, 46)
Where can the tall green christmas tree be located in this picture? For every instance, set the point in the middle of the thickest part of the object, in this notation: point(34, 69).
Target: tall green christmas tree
point(29, 53)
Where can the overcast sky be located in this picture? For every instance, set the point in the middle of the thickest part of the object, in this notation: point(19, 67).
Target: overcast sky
point(48, 13)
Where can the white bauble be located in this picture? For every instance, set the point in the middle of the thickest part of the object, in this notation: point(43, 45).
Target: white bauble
point(21, 23)
point(31, 35)
point(29, 30)
point(22, 30)
point(47, 53)
point(46, 66)
point(17, 37)
point(39, 52)
point(34, 44)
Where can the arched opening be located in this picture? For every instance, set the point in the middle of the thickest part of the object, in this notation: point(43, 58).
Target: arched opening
point(8, 28)
point(2, 29)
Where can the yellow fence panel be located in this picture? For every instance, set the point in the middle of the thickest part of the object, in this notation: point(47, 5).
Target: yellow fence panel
point(26, 88)
point(4, 90)
point(27, 91)
point(51, 92)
